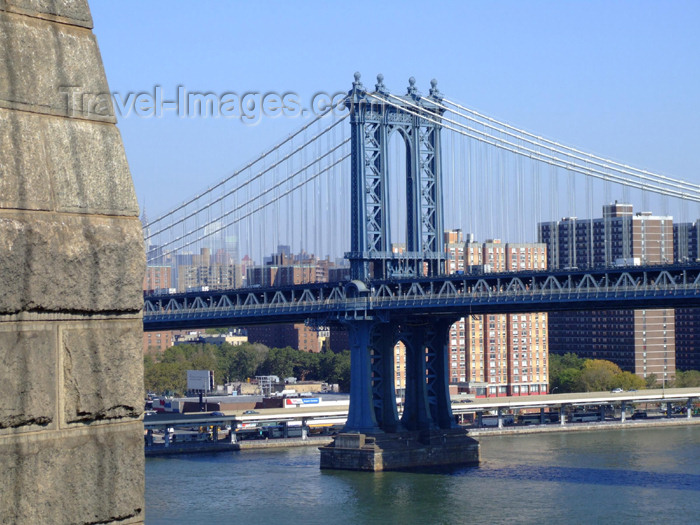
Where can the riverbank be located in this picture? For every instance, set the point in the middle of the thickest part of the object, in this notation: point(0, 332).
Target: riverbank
point(227, 446)
point(578, 427)
point(318, 441)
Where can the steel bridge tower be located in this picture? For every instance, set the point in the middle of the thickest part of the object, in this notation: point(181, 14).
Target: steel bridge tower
point(374, 117)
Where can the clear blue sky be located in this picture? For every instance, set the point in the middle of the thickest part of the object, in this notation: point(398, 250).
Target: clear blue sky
point(620, 79)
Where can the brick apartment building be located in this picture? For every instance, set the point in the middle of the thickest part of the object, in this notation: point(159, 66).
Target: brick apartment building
point(497, 354)
point(639, 341)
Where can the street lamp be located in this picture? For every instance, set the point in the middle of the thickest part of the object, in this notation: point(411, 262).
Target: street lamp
point(554, 390)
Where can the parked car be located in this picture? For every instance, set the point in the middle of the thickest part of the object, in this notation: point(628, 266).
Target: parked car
point(639, 415)
point(218, 414)
point(251, 412)
point(617, 390)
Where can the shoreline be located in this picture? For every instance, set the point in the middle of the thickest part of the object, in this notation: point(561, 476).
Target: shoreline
point(579, 427)
point(199, 448)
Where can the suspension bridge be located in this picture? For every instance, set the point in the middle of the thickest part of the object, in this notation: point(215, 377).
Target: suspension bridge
point(375, 181)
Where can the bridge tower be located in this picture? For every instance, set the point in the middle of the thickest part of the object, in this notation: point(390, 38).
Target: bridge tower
point(426, 429)
point(374, 117)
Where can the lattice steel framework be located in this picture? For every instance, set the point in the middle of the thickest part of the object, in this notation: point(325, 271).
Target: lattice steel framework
point(373, 121)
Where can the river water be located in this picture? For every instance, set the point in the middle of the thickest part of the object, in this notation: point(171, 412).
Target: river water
point(627, 476)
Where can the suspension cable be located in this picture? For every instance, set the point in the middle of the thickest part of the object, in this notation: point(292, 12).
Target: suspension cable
point(242, 185)
point(250, 164)
point(260, 207)
point(527, 152)
point(251, 200)
point(547, 141)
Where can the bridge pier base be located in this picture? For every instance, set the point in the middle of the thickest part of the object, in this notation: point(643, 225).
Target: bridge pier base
point(409, 450)
point(427, 435)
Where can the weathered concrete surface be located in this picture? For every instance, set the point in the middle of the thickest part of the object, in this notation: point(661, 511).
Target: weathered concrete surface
point(74, 12)
point(48, 61)
point(88, 475)
point(27, 378)
point(64, 165)
point(95, 356)
point(58, 262)
point(71, 268)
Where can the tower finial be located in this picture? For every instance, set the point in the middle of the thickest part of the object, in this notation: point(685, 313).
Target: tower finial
point(357, 85)
point(434, 91)
point(379, 87)
point(412, 90)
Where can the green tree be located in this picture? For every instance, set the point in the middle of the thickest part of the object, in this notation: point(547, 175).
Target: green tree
point(279, 362)
point(651, 381)
point(629, 381)
point(339, 366)
point(242, 361)
point(689, 378)
point(564, 372)
point(598, 375)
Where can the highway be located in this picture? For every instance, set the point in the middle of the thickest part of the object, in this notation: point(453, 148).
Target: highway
point(548, 401)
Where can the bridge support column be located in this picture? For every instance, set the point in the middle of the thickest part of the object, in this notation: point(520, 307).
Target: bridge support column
point(384, 389)
point(500, 417)
point(416, 412)
point(689, 408)
point(438, 374)
point(562, 415)
point(542, 420)
point(669, 409)
point(623, 412)
point(361, 416)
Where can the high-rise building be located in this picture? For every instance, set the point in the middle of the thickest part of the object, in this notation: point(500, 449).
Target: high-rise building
point(686, 248)
point(620, 237)
point(283, 269)
point(157, 278)
point(685, 242)
point(641, 341)
point(296, 335)
point(497, 354)
point(204, 270)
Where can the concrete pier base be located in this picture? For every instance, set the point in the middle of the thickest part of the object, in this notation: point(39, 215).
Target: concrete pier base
point(400, 451)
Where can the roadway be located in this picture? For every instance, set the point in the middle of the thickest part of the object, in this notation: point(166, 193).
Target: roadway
point(548, 401)
point(668, 395)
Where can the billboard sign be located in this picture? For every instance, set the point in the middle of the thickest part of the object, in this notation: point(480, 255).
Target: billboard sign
point(200, 380)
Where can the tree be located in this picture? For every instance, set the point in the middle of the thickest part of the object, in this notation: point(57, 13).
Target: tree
point(629, 381)
point(564, 372)
point(241, 362)
point(598, 375)
point(689, 378)
point(651, 381)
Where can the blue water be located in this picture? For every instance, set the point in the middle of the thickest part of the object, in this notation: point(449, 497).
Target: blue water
point(621, 476)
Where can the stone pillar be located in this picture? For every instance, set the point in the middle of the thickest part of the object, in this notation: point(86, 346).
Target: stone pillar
point(71, 269)
point(623, 412)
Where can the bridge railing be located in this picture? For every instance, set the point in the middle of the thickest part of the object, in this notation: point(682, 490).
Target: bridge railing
point(441, 296)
